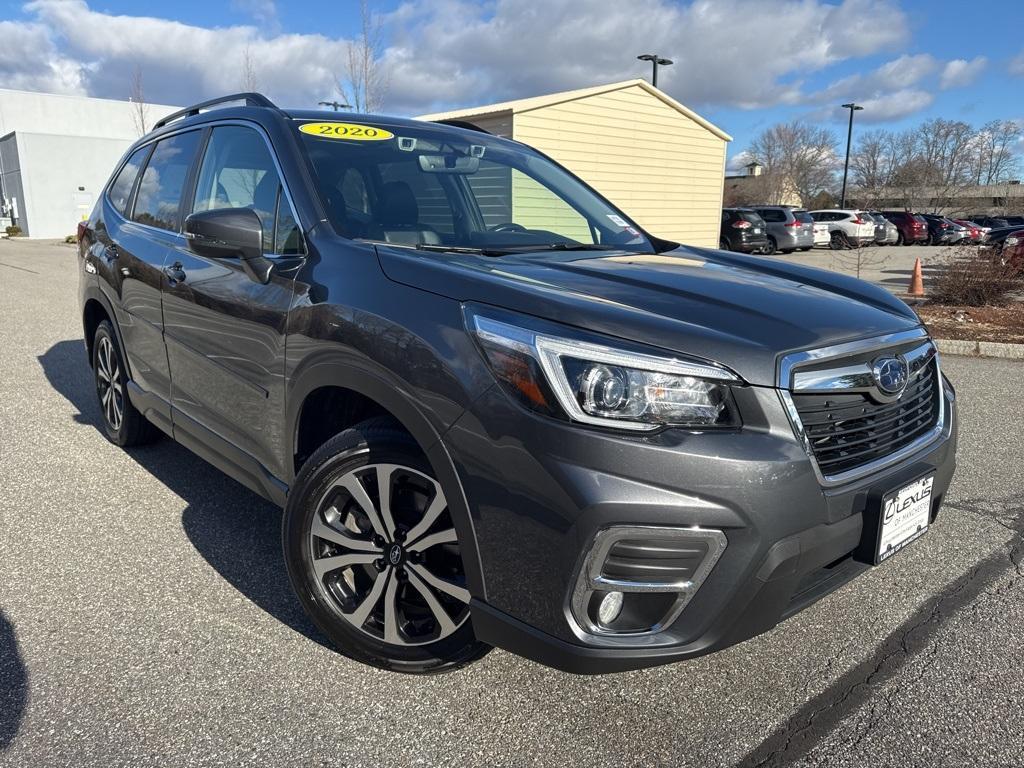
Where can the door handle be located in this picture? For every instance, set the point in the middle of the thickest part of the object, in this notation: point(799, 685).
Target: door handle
point(175, 274)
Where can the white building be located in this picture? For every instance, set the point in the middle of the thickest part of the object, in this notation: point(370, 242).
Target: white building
point(56, 152)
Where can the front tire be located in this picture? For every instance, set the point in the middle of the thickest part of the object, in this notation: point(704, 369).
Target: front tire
point(123, 424)
point(373, 554)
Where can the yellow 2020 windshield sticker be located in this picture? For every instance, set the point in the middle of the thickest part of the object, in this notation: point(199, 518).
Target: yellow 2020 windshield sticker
point(347, 131)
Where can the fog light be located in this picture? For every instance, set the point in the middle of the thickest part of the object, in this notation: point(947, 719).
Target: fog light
point(610, 608)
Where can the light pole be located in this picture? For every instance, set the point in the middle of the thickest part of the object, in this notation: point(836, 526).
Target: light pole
point(849, 135)
point(335, 105)
point(655, 60)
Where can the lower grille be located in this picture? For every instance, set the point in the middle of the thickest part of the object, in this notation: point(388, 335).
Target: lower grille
point(848, 430)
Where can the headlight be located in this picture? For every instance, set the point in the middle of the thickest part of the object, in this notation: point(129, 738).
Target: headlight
point(601, 385)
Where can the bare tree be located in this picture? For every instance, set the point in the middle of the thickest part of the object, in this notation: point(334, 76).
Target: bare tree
point(137, 99)
point(993, 159)
point(797, 157)
point(249, 81)
point(365, 80)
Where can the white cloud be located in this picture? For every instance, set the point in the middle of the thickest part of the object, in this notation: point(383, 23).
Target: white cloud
point(1017, 64)
point(30, 61)
point(960, 73)
point(746, 53)
point(445, 53)
point(261, 10)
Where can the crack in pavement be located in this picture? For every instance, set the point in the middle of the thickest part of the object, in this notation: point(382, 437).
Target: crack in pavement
point(809, 726)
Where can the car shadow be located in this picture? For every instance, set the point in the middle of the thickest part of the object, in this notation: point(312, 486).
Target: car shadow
point(13, 683)
point(236, 531)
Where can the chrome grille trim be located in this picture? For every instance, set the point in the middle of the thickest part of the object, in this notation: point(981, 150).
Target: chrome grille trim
point(789, 376)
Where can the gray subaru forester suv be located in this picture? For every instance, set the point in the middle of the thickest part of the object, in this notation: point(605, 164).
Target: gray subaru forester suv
point(496, 410)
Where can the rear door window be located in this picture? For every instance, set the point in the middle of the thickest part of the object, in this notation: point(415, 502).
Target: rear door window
point(158, 201)
point(772, 214)
point(120, 192)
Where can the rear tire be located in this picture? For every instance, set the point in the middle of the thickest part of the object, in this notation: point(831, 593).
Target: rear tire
point(373, 555)
point(770, 248)
point(838, 241)
point(900, 240)
point(723, 245)
point(123, 424)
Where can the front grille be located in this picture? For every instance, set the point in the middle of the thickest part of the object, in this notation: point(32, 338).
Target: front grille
point(847, 431)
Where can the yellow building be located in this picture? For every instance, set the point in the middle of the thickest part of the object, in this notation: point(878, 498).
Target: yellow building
point(659, 161)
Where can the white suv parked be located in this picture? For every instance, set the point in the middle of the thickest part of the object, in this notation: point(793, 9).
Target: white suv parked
point(846, 227)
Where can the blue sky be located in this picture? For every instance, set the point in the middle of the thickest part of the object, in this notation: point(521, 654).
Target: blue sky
point(744, 64)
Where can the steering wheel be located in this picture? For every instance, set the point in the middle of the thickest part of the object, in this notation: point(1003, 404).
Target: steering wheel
point(507, 226)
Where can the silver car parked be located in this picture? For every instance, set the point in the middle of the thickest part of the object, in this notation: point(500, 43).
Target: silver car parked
point(789, 228)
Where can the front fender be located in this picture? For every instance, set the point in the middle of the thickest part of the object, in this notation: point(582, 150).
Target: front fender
point(336, 368)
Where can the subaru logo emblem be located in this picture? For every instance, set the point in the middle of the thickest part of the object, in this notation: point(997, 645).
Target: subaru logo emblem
point(890, 374)
point(395, 554)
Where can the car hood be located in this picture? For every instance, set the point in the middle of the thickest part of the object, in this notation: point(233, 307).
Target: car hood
point(743, 312)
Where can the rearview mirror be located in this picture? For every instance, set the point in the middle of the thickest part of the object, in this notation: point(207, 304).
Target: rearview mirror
point(449, 164)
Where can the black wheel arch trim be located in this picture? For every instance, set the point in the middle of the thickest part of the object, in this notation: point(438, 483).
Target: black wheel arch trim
point(382, 391)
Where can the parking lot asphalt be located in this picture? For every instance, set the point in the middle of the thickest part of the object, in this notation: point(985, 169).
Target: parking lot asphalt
point(889, 266)
point(146, 619)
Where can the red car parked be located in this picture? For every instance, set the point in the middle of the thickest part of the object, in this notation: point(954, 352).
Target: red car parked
point(912, 229)
point(974, 232)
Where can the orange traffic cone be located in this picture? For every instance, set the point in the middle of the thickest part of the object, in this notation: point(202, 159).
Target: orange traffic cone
point(916, 280)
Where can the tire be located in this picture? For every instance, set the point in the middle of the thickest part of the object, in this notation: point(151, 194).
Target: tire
point(123, 424)
point(770, 248)
point(899, 239)
point(374, 608)
point(723, 244)
point(838, 241)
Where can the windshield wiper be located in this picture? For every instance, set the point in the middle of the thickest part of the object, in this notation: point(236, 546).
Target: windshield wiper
point(562, 247)
point(462, 249)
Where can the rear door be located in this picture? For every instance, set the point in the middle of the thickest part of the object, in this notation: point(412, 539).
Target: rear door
point(225, 330)
point(135, 238)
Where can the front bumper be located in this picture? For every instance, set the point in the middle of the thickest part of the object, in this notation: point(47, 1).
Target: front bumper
point(540, 490)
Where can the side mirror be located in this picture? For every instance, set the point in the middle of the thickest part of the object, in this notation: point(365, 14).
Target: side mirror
point(226, 233)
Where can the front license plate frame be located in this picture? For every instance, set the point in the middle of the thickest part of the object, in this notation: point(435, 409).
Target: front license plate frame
point(882, 538)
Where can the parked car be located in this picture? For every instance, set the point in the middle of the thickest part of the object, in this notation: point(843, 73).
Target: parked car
point(544, 430)
point(992, 222)
point(910, 228)
point(789, 228)
point(975, 232)
point(891, 231)
point(942, 231)
point(846, 227)
point(1012, 251)
point(822, 234)
point(879, 227)
point(742, 230)
point(995, 237)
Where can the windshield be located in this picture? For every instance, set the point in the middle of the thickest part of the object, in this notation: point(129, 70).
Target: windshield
point(437, 189)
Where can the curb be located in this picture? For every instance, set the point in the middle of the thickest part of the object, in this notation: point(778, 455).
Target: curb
point(980, 349)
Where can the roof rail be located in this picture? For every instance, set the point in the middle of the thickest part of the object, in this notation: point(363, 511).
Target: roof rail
point(250, 99)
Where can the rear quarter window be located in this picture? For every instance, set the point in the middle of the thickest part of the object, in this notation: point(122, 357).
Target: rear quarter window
point(120, 190)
